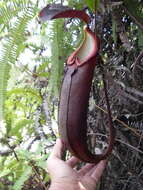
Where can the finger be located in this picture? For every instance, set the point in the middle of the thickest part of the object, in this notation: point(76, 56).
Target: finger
point(90, 172)
point(84, 170)
point(96, 174)
point(72, 161)
point(57, 150)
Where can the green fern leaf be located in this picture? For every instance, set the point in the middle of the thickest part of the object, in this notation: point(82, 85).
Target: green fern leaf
point(10, 51)
point(24, 176)
point(57, 52)
point(25, 91)
point(19, 125)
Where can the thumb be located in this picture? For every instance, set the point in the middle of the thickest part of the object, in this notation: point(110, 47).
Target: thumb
point(57, 150)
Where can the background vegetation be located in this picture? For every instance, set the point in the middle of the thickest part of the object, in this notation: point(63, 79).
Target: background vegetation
point(31, 69)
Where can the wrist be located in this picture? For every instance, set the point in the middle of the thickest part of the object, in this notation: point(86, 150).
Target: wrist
point(64, 184)
point(63, 187)
point(67, 186)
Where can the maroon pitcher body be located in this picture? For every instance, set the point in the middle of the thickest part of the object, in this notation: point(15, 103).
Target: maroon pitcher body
point(76, 88)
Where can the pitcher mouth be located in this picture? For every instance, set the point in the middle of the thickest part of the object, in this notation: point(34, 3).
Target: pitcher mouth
point(88, 48)
point(90, 44)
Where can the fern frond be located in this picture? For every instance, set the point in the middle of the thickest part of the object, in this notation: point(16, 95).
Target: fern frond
point(25, 91)
point(16, 131)
point(10, 51)
point(58, 57)
point(24, 176)
point(8, 10)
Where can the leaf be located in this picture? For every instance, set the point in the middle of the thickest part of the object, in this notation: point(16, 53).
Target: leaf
point(42, 164)
point(24, 91)
point(24, 154)
point(114, 32)
point(4, 172)
point(135, 11)
point(11, 164)
point(4, 76)
point(15, 40)
point(140, 39)
point(19, 125)
point(24, 176)
point(43, 74)
point(97, 2)
point(42, 67)
point(93, 5)
point(57, 64)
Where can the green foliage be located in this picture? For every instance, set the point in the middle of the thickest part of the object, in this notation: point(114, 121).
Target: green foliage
point(140, 39)
point(20, 171)
point(16, 131)
point(135, 7)
point(25, 174)
point(5, 172)
point(57, 61)
point(16, 37)
point(93, 5)
point(24, 91)
point(114, 31)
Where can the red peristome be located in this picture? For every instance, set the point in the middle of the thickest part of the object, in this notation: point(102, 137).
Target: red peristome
point(95, 49)
point(73, 14)
point(50, 14)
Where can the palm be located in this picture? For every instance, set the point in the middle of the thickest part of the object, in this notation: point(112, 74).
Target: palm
point(87, 176)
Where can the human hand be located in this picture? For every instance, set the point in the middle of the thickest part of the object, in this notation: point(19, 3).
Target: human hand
point(63, 175)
